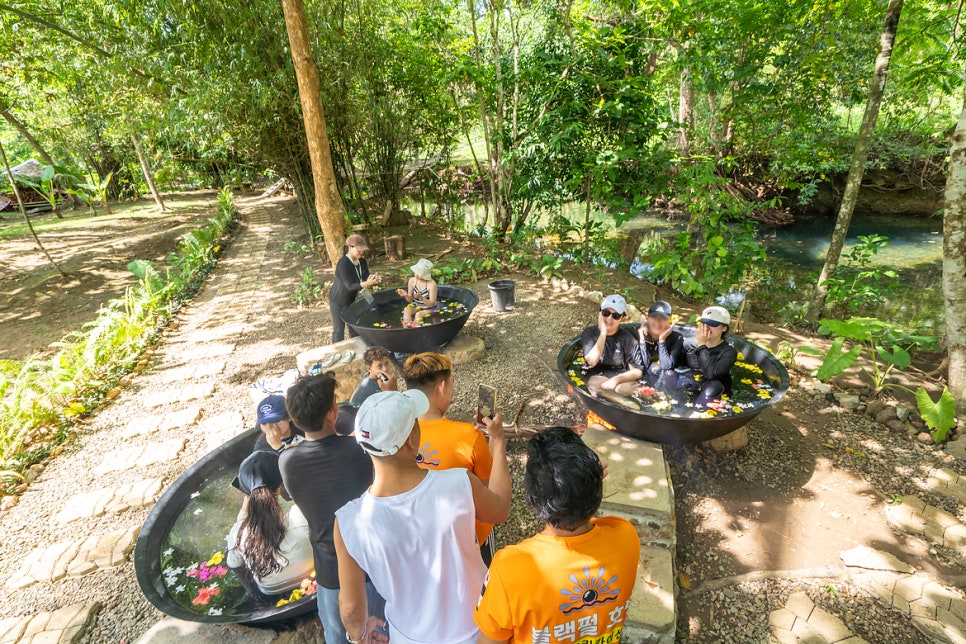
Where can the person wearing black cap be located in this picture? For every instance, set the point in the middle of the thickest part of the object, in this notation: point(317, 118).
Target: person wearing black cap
point(278, 432)
point(271, 536)
point(351, 276)
point(661, 349)
point(710, 358)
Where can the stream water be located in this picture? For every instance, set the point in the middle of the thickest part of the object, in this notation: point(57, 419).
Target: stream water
point(797, 252)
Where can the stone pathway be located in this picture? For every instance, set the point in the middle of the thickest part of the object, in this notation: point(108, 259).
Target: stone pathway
point(73, 558)
point(63, 625)
point(802, 621)
point(95, 497)
point(914, 516)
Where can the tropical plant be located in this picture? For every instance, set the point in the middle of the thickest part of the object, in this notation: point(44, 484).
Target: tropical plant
point(308, 289)
point(858, 284)
point(886, 346)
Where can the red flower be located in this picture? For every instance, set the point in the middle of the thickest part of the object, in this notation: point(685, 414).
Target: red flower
point(205, 595)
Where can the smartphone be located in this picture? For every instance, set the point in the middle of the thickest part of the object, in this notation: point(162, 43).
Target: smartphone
point(486, 404)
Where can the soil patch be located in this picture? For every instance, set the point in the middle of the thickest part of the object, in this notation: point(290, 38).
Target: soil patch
point(38, 307)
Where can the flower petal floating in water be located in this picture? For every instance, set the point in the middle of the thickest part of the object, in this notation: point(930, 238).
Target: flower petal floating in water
point(216, 558)
point(204, 595)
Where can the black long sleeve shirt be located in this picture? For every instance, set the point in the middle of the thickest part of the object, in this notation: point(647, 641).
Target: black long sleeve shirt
point(714, 363)
point(348, 280)
point(668, 354)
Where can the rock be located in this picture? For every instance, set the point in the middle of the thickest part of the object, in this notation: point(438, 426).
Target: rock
point(902, 412)
point(872, 559)
point(957, 449)
point(926, 439)
point(8, 502)
point(594, 296)
point(874, 407)
point(729, 442)
point(465, 349)
point(896, 425)
point(886, 415)
point(37, 467)
point(20, 489)
point(633, 315)
point(30, 476)
point(821, 388)
point(961, 429)
point(848, 401)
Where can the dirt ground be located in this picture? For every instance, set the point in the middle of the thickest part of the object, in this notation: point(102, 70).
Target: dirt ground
point(37, 306)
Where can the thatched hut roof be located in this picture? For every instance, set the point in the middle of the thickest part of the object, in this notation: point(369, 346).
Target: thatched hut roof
point(29, 170)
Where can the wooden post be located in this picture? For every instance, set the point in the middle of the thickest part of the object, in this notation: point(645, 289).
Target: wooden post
point(395, 247)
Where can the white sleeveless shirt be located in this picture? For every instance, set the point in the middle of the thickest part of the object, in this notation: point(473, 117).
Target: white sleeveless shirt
point(419, 549)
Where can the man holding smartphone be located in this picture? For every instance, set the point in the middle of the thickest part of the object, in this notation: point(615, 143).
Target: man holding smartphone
point(380, 375)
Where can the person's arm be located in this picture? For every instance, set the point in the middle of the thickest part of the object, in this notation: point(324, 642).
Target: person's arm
point(631, 375)
point(482, 459)
point(492, 500)
point(433, 295)
point(670, 351)
point(353, 604)
point(594, 349)
point(345, 272)
point(407, 292)
point(483, 639)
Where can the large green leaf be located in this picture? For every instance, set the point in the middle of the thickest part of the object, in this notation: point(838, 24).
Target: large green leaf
point(939, 416)
point(836, 362)
point(899, 356)
point(856, 328)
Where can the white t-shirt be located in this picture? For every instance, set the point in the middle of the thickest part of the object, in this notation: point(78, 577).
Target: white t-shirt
point(419, 549)
point(296, 549)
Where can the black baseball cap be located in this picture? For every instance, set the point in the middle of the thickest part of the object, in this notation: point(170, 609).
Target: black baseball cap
point(260, 469)
point(660, 309)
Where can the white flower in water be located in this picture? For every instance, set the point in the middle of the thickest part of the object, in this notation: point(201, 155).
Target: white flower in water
point(168, 552)
point(198, 511)
point(214, 611)
point(195, 495)
point(180, 589)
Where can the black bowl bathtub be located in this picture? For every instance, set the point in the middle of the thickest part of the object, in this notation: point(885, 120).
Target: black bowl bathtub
point(659, 428)
point(400, 339)
point(215, 471)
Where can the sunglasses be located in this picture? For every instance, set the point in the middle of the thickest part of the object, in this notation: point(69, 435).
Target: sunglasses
point(607, 313)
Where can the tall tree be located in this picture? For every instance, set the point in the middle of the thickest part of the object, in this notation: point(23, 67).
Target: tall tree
point(18, 125)
point(148, 175)
point(863, 144)
point(954, 264)
point(328, 202)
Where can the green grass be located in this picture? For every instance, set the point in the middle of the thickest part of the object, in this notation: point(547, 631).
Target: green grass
point(13, 224)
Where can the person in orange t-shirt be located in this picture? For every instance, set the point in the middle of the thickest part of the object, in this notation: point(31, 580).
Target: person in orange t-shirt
point(571, 583)
point(446, 444)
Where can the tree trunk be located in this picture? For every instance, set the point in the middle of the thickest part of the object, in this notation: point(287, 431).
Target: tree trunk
point(25, 133)
point(328, 203)
point(861, 154)
point(685, 113)
point(23, 211)
point(954, 264)
point(148, 175)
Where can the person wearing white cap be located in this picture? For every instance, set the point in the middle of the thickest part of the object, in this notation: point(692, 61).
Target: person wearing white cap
point(414, 531)
point(711, 357)
point(611, 352)
point(421, 293)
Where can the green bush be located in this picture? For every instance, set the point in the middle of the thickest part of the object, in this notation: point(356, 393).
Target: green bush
point(40, 400)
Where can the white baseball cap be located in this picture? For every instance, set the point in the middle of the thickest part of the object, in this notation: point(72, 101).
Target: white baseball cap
point(616, 302)
point(716, 316)
point(385, 420)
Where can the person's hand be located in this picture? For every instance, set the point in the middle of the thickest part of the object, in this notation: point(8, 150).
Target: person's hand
point(667, 333)
point(374, 636)
point(642, 331)
point(389, 383)
point(376, 278)
point(400, 292)
point(602, 323)
point(274, 435)
point(610, 384)
point(603, 465)
point(492, 426)
point(703, 334)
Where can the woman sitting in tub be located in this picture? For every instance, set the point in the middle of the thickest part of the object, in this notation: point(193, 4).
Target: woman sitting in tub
point(421, 294)
point(710, 358)
point(271, 536)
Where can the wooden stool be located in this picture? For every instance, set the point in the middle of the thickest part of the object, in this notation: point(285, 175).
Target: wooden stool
point(395, 247)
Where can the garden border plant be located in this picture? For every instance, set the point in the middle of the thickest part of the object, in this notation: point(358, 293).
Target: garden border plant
point(887, 346)
point(41, 402)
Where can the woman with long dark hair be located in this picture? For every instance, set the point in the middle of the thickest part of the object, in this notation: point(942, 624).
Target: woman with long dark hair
point(351, 276)
point(271, 537)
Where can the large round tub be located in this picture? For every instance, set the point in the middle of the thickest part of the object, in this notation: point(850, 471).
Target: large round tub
point(661, 428)
point(400, 339)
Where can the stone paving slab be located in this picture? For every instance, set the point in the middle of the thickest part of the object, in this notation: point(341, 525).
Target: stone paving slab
point(221, 428)
point(180, 419)
point(63, 625)
point(915, 516)
point(110, 500)
point(175, 631)
point(802, 621)
point(194, 391)
point(140, 456)
point(936, 611)
point(194, 352)
point(73, 558)
point(141, 425)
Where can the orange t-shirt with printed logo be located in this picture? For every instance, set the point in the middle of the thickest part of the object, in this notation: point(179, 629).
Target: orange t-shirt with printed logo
point(447, 444)
point(562, 590)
